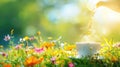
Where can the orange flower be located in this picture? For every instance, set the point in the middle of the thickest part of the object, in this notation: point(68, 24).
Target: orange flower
point(40, 59)
point(31, 61)
point(48, 45)
point(114, 59)
point(7, 65)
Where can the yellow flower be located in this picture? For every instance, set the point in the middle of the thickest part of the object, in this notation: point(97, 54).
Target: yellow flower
point(26, 38)
point(54, 53)
point(38, 33)
point(48, 44)
point(70, 47)
point(29, 51)
point(108, 55)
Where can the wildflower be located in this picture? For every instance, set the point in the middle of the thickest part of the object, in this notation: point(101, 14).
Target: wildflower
point(117, 45)
point(69, 47)
point(18, 46)
point(38, 50)
point(38, 33)
point(70, 64)
point(54, 53)
point(40, 59)
point(29, 50)
point(53, 60)
point(21, 40)
point(32, 38)
point(62, 44)
point(7, 65)
point(3, 54)
point(48, 45)
point(26, 38)
point(114, 59)
point(7, 38)
point(108, 54)
point(32, 60)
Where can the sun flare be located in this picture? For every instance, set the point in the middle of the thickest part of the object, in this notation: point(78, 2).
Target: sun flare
point(103, 15)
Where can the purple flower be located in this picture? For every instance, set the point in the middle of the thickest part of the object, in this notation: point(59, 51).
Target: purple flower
point(7, 38)
point(38, 50)
point(70, 64)
point(53, 60)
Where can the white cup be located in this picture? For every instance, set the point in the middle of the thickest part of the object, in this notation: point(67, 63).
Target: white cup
point(87, 48)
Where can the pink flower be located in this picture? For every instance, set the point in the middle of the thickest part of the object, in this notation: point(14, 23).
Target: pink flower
point(53, 60)
point(7, 38)
point(18, 47)
point(32, 38)
point(117, 45)
point(70, 64)
point(38, 50)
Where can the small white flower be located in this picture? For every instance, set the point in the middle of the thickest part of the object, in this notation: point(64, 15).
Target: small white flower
point(22, 40)
point(7, 38)
point(100, 57)
point(62, 44)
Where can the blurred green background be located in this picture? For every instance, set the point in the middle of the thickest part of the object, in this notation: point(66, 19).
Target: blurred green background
point(71, 19)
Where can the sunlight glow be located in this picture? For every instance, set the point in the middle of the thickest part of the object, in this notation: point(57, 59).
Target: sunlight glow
point(105, 15)
point(105, 18)
point(91, 4)
point(87, 38)
point(104, 31)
